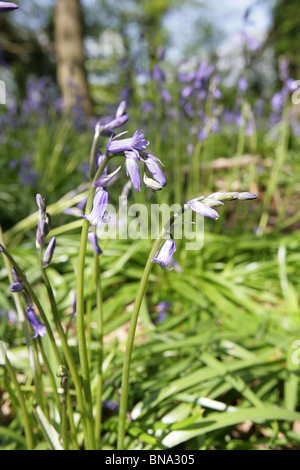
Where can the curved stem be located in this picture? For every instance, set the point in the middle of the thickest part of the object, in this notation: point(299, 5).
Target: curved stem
point(132, 328)
point(98, 417)
point(66, 350)
point(129, 344)
point(80, 308)
point(20, 395)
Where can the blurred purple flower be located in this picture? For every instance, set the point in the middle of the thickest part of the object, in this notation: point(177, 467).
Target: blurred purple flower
point(111, 405)
point(203, 73)
point(202, 134)
point(277, 102)
point(147, 107)
point(160, 53)
point(162, 308)
point(38, 327)
point(8, 6)
point(186, 77)
point(187, 91)
point(214, 87)
point(242, 84)
point(11, 316)
point(110, 123)
point(158, 74)
point(166, 95)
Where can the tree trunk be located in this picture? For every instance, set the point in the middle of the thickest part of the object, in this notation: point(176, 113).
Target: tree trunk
point(71, 72)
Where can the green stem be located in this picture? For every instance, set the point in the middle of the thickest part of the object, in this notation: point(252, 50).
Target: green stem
point(66, 350)
point(98, 418)
point(40, 393)
point(131, 332)
point(50, 373)
point(82, 347)
point(280, 157)
point(26, 421)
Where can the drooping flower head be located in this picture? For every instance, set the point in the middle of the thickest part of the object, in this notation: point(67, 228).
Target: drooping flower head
point(152, 165)
point(165, 254)
point(8, 6)
point(38, 327)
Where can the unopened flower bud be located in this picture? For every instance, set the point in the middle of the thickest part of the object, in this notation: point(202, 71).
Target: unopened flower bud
point(40, 234)
point(7, 6)
point(224, 196)
point(49, 252)
point(209, 201)
point(16, 287)
point(151, 184)
point(121, 109)
point(41, 203)
point(245, 196)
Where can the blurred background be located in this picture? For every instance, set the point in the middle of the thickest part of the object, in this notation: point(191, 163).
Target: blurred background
point(213, 86)
point(219, 73)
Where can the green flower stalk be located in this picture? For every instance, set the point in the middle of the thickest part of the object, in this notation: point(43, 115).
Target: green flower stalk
point(162, 258)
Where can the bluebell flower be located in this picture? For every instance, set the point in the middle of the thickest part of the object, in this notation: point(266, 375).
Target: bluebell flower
point(16, 287)
point(38, 327)
point(154, 169)
point(99, 207)
point(165, 254)
point(92, 238)
point(162, 308)
point(48, 254)
point(8, 6)
point(111, 405)
point(133, 169)
point(134, 143)
point(108, 123)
